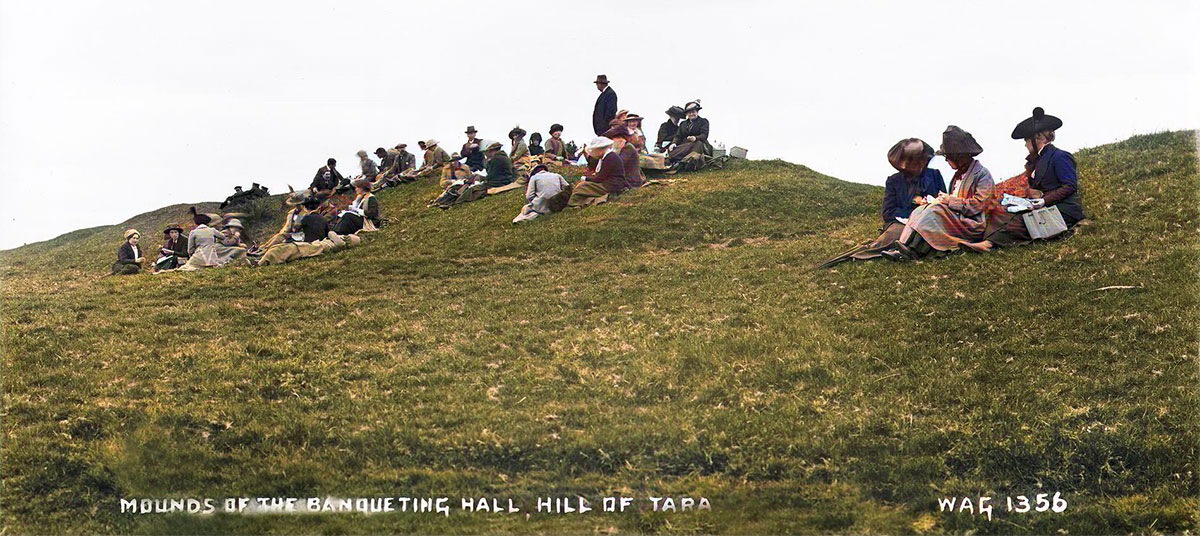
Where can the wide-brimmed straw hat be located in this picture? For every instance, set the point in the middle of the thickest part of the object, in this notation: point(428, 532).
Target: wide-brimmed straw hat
point(903, 150)
point(1038, 122)
point(633, 117)
point(235, 223)
point(431, 143)
point(958, 141)
point(494, 146)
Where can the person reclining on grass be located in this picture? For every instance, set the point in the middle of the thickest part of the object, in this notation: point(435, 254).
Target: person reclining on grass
point(956, 217)
point(129, 257)
point(1051, 177)
point(363, 213)
point(173, 251)
point(546, 192)
point(602, 178)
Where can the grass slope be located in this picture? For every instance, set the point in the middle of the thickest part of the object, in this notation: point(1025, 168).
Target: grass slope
point(673, 342)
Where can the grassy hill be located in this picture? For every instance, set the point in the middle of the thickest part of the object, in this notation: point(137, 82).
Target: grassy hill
point(673, 343)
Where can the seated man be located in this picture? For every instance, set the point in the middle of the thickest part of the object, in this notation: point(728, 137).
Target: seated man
point(326, 179)
point(499, 166)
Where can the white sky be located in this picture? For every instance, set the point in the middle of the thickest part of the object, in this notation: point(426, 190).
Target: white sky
point(122, 107)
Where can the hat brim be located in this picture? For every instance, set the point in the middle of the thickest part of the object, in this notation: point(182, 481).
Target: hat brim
point(1031, 126)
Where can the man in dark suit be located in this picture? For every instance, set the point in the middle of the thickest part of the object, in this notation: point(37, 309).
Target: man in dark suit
point(606, 106)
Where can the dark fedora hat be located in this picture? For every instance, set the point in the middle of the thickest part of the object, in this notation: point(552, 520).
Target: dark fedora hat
point(675, 111)
point(958, 141)
point(1038, 122)
point(601, 79)
point(471, 130)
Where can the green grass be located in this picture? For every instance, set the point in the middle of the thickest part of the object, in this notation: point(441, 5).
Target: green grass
point(673, 342)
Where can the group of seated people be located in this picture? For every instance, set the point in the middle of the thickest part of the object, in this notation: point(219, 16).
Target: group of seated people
point(321, 220)
point(921, 216)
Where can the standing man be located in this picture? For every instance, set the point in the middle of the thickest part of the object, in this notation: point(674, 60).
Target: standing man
point(606, 106)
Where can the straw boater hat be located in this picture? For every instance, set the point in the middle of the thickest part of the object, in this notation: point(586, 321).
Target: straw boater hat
point(633, 117)
point(494, 146)
point(471, 130)
point(131, 232)
point(958, 141)
point(516, 131)
point(1038, 122)
point(296, 198)
point(904, 150)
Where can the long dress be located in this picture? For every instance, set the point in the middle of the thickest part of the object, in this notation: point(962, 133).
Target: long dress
point(961, 218)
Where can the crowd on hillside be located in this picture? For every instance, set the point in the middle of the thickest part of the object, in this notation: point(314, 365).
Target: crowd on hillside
point(920, 216)
point(333, 210)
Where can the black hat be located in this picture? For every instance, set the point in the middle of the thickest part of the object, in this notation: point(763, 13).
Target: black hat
point(1039, 122)
point(537, 168)
point(902, 151)
point(601, 79)
point(380, 151)
point(675, 111)
point(471, 130)
point(516, 131)
point(694, 105)
point(311, 203)
point(556, 128)
point(535, 137)
point(173, 227)
point(958, 141)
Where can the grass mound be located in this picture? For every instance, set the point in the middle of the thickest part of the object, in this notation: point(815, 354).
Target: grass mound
point(671, 343)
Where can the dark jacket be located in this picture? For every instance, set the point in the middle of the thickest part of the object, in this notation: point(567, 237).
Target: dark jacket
point(473, 155)
point(177, 248)
point(499, 170)
point(125, 254)
point(697, 127)
point(611, 174)
point(314, 226)
point(899, 190)
point(1054, 174)
point(605, 111)
point(327, 178)
point(666, 133)
point(371, 210)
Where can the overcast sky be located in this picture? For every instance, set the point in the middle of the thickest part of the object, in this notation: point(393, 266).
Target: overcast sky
point(113, 108)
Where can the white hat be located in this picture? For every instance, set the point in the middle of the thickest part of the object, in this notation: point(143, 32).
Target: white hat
point(599, 143)
point(431, 143)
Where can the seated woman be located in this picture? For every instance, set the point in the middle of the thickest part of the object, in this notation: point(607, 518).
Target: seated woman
point(235, 234)
point(1052, 179)
point(173, 251)
point(667, 130)
point(519, 148)
point(903, 192)
point(206, 248)
point(546, 192)
point(129, 257)
point(633, 123)
point(607, 175)
point(692, 136)
point(535, 144)
point(317, 239)
point(554, 144)
point(950, 219)
point(363, 213)
point(630, 160)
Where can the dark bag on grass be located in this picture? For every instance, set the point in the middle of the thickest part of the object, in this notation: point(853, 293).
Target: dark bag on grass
point(559, 201)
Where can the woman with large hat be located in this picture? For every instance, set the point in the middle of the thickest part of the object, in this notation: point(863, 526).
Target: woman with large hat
point(1052, 178)
point(519, 147)
point(667, 130)
point(129, 256)
point(692, 136)
point(955, 217)
point(173, 250)
point(206, 248)
point(605, 177)
point(633, 123)
point(554, 144)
